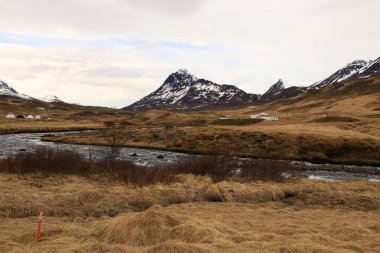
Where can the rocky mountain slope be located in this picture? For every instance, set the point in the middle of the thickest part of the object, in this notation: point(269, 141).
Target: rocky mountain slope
point(6, 90)
point(356, 69)
point(182, 90)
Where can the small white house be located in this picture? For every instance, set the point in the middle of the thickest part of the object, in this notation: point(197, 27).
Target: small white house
point(30, 116)
point(264, 116)
point(37, 117)
point(10, 116)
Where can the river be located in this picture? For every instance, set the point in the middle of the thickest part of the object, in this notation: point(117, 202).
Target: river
point(13, 143)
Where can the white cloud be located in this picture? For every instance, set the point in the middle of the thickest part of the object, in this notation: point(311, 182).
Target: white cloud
point(112, 52)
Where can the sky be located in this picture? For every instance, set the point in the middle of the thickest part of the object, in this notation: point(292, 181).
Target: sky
point(114, 52)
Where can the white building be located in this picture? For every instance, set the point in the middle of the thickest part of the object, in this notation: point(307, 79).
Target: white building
point(263, 115)
point(30, 116)
point(10, 116)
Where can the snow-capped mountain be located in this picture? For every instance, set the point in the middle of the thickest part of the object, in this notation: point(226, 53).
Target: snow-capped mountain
point(182, 90)
point(6, 90)
point(280, 91)
point(356, 69)
point(51, 99)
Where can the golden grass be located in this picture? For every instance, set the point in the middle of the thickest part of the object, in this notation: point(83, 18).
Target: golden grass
point(306, 216)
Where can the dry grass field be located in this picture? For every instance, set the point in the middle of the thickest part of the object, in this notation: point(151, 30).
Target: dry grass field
point(193, 214)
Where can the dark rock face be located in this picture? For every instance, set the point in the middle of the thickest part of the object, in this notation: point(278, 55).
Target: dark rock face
point(372, 68)
point(278, 91)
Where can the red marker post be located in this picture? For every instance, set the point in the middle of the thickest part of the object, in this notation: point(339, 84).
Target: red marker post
point(42, 212)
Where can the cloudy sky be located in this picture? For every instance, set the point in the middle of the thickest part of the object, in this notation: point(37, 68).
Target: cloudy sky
point(113, 52)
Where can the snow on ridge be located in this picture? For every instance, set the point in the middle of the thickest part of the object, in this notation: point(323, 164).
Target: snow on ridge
point(353, 69)
point(5, 89)
point(50, 99)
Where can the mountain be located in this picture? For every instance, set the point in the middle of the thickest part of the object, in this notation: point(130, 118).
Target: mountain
point(182, 90)
point(356, 69)
point(6, 90)
point(278, 91)
point(51, 99)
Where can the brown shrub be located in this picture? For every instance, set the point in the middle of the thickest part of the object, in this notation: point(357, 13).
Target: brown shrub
point(46, 160)
point(218, 167)
point(266, 170)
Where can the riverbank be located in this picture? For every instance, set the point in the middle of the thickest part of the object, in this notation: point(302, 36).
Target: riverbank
point(194, 214)
point(249, 142)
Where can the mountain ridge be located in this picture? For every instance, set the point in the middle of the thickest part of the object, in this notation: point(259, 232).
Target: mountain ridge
point(182, 90)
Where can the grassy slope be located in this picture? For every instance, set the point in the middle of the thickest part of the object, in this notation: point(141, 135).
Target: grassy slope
point(307, 216)
point(62, 116)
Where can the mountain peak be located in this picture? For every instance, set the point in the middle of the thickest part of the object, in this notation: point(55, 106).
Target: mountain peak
point(275, 88)
point(182, 76)
point(182, 71)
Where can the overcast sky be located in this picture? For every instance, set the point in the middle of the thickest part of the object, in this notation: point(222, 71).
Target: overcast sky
point(113, 52)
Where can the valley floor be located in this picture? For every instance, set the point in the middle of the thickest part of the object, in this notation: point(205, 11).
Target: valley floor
point(191, 215)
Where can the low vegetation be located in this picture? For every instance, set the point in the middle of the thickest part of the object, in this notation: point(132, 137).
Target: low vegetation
point(48, 161)
point(189, 214)
point(236, 122)
point(334, 119)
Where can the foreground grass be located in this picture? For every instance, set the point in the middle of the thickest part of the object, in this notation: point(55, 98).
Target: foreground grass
point(191, 214)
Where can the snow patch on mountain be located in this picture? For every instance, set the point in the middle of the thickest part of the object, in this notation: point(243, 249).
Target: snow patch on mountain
point(6, 90)
point(355, 69)
point(50, 99)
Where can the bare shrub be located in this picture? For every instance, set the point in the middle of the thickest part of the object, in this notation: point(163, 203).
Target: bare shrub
point(132, 174)
point(266, 170)
point(112, 152)
point(46, 160)
point(218, 167)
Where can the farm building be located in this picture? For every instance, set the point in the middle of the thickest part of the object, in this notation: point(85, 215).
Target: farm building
point(37, 117)
point(263, 115)
point(320, 115)
point(30, 116)
point(10, 116)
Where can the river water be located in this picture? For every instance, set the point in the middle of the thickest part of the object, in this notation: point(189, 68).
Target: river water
point(11, 144)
